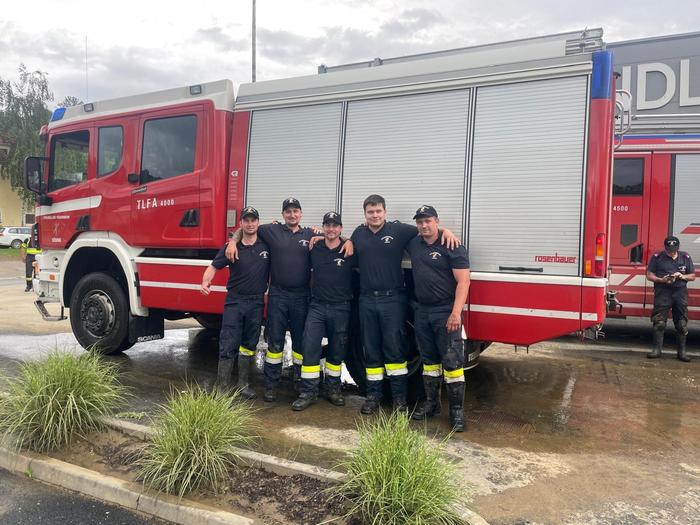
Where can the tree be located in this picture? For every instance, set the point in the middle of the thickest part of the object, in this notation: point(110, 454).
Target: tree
point(22, 113)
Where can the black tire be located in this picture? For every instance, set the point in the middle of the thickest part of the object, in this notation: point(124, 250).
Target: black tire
point(99, 314)
point(209, 321)
point(16, 244)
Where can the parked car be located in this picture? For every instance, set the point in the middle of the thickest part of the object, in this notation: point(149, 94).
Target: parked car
point(14, 236)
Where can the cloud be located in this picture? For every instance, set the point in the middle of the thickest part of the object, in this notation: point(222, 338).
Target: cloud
point(221, 39)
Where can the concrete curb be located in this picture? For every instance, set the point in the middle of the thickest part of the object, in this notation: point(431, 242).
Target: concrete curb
point(114, 490)
point(280, 466)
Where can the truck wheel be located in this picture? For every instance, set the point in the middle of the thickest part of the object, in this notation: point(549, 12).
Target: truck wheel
point(99, 314)
point(209, 321)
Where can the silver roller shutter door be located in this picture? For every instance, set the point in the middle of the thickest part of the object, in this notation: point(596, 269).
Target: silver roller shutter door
point(686, 203)
point(294, 152)
point(409, 149)
point(527, 173)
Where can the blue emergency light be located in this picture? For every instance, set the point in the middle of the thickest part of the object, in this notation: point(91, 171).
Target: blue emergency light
point(57, 114)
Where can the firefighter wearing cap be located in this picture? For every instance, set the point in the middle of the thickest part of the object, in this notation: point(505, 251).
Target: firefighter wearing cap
point(29, 250)
point(441, 286)
point(379, 246)
point(329, 316)
point(288, 299)
point(243, 309)
point(670, 270)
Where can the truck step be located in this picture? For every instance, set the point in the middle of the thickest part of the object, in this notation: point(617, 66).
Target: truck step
point(45, 313)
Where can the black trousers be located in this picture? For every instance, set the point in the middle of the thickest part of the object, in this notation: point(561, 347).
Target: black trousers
point(240, 327)
point(29, 269)
point(674, 299)
point(442, 351)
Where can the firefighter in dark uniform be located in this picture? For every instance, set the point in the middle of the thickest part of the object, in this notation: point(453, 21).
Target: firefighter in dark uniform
point(379, 246)
point(243, 309)
point(30, 249)
point(441, 286)
point(288, 299)
point(670, 271)
point(329, 316)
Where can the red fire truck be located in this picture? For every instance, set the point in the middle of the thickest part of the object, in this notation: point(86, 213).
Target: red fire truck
point(511, 142)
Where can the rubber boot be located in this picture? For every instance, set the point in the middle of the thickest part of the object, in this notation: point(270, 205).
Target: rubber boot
point(334, 393)
point(296, 377)
point(681, 349)
point(374, 398)
point(399, 389)
point(658, 344)
point(431, 405)
point(455, 394)
point(245, 363)
point(304, 401)
point(224, 373)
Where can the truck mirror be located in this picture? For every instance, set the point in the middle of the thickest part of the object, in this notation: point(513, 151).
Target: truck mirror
point(34, 174)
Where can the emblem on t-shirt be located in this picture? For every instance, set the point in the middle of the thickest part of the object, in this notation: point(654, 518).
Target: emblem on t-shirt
point(304, 242)
point(264, 254)
point(682, 268)
point(387, 239)
point(435, 255)
point(339, 262)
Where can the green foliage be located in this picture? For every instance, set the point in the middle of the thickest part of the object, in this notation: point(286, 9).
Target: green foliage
point(196, 439)
point(63, 396)
point(397, 477)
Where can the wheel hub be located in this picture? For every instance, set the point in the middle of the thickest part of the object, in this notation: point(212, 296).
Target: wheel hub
point(97, 314)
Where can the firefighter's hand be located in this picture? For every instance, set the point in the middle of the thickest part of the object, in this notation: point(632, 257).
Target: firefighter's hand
point(453, 323)
point(348, 249)
point(450, 240)
point(205, 287)
point(314, 240)
point(316, 230)
point(232, 251)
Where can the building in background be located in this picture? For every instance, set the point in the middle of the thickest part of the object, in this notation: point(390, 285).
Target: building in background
point(12, 210)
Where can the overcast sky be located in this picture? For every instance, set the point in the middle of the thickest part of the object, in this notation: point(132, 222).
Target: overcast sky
point(145, 45)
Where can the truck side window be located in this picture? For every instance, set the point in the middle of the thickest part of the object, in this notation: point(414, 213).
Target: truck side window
point(110, 142)
point(69, 159)
point(168, 147)
point(628, 177)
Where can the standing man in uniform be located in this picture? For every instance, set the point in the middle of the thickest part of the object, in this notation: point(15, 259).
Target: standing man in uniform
point(670, 271)
point(441, 285)
point(243, 310)
point(288, 303)
point(379, 246)
point(329, 316)
point(29, 250)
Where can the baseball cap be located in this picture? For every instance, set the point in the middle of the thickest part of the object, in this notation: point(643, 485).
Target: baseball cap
point(249, 211)
point(671, 242)
point(425, 211)
point(332, 217)
point(290, 202)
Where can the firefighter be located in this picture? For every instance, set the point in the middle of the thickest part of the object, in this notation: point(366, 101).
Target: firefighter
point(441, 286)
point(29, 250)
point(670, 270)
point(329, 316)
point(379, 246)
point(290, 270)
point(243, 309)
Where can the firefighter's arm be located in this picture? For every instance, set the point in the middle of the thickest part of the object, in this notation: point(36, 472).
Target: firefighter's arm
point(449, 239)
point(209, 274)
point(232, 246)
point(23, 251)
point(348, 249)
point(687, 277)
point(651, 276)
point(461, 293)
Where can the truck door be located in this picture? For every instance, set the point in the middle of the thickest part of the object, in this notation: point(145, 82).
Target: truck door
point(165, 199)
point(629, 231)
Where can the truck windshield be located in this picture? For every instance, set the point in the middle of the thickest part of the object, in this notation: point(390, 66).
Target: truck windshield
point(69, 159)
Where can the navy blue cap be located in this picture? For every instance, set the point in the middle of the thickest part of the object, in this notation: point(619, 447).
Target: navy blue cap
point(425, 211)
point(290, 202)
point(332, 217)
point(249, 211)
point(672, 242)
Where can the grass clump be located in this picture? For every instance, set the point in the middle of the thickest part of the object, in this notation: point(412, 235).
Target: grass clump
point(58, 398)
point(195, 443)
point(397, 476)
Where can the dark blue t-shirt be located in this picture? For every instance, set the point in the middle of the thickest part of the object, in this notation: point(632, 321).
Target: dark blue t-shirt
point(661, 265)
point(379, 255)
point(250, 273)
point(332, 274)
point(433, 280)
point(289, 251)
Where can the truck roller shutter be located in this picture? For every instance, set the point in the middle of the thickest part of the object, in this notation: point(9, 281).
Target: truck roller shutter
point(409, 149)
point(527, 175)
point(294, 153)
point(686, 205)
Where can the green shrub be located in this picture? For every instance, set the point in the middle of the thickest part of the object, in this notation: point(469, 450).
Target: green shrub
point(397, 476)
point(58, 398)
point(195, 441)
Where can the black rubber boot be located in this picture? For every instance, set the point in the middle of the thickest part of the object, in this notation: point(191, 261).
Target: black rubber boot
point(334, 393)
point(658, 345)
point(370, 406)
point(245, 363)
point(398, 404)
point(296, 377)
point(399, 390)
point(224, 373)
point(455, 394)
point(270, 395)
point(431, 405)
point(681, 349)
point(304, 401)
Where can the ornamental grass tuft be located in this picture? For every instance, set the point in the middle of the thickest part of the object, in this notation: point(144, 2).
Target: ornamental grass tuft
point(59, 398)
point(397, 476)
point(196, 439)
